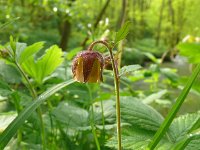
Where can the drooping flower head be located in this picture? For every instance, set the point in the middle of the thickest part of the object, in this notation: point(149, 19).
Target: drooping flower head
point(88, 67)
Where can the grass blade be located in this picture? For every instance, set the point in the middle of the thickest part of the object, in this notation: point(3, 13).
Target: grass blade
point(168, 120)
point(11, 130)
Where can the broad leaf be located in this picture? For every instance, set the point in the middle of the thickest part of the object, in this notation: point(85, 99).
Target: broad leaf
point(189, 142)
point(29, 51)
point(138, 114)
point(9, 73)
point(137, 139)
point(183, 125)
point(108, 110)
point(194, 143)
point(122, 33)
point(45, 65)
point(128, 69)
point(70, 115)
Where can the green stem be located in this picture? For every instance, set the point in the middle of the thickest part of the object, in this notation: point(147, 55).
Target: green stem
point(103, 121)
point(116, 80)
point(169, 118)
point(34, 95)
point(93, 130)
point(92, 124)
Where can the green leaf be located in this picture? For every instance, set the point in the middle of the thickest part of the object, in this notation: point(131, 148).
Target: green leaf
point(137, 139)
point(189, 142)
point(128, 69)
point(11, 130)
point(72, 116)
point(193, 142)
point(13, 44)
point(168, 120)
point(45, 65)
point(138, 114)
point(9, 73)
point(122, 33)
point(183, 125)
point(152, 57)
point(190, 50)
point(108, 110)
point(132, 138)
point(154, 97)
point(29, 51)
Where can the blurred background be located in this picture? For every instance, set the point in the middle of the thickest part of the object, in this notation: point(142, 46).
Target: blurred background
point(157, 25)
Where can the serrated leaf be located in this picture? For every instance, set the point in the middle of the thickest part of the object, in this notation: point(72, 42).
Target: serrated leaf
point(189, 142)
point(128, 69)
point(45, 65)
point(138, 114)
point(137, 139)
point(194, 143)
point(29, 51)
point(122, 33)
point(190, 50)
point(183, 124)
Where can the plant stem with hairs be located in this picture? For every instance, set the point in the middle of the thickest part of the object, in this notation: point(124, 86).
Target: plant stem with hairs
point(116, 80)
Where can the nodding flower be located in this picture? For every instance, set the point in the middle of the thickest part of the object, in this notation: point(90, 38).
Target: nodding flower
point(88, 67)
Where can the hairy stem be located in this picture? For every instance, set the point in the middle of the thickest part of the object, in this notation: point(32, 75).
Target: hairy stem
point(116, 80)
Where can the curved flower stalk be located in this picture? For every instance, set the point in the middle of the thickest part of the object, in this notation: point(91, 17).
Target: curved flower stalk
point(88, 67)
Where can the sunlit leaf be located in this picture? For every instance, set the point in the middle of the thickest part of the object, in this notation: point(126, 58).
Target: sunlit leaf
point(122, 33)
point(45, 65)
point(29, 51)
point(191, 51)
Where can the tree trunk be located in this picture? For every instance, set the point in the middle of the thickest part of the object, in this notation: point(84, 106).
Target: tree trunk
point(66, 29)
point(172, 20)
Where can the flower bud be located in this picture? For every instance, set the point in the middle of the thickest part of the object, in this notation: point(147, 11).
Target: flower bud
point(88, 67)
